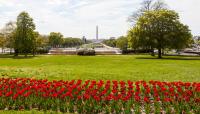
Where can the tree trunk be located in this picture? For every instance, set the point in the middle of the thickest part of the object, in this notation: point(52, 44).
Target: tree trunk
point(159, 53)
point(152, 52)
point(34, 51)
point(10, 51)
point(16, 52)
point(25, 53)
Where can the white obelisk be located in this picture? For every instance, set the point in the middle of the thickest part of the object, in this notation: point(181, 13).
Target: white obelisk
point(97, 32)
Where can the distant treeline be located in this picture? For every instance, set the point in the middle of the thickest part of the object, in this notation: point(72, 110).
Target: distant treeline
point(57, 40)
point(121, 42)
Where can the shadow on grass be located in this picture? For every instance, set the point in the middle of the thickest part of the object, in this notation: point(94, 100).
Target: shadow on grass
point(172, 58)
point(16, 57)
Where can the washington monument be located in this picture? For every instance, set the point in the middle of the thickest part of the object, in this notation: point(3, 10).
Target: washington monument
point(97, 32)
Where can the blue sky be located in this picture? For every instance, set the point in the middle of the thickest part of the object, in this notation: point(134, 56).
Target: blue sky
point(77, 18)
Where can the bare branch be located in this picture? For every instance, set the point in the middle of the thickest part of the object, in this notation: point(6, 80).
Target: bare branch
point(147, 5)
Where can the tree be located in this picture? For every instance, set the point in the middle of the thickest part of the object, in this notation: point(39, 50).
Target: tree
point(24, 41)
point(55, 39)
point(160, 29)
point(196, 42)
point(7, 32)
point(146, 5)
point(2, 41)
point(35, 42)
point(122, 43)
point(110, 42)
point(42, 41)
point(72, 42)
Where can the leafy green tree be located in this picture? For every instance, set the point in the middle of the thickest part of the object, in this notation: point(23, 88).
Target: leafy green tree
point(42, 41)
point(146, 5)
point(110, 42)
point(72, 42)
point(122, 43)
point(7, 32)
point(160, 29)
point(24, 41)
point(35, 42)
point(2, 41)
point(196, 42)
point(55, 39)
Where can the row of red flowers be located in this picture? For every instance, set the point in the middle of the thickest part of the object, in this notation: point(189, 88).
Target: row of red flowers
point(100, 96)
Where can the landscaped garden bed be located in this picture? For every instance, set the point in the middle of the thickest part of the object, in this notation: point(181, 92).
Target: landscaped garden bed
point(99, 96)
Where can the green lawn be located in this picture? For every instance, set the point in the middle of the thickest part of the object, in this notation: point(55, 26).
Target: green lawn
point(119, 67)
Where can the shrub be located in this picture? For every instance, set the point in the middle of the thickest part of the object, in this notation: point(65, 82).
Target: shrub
point(42, 51)
point(80, 52)
point(86, 52)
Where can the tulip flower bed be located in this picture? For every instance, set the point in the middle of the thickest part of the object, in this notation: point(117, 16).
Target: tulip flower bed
point(100, 96)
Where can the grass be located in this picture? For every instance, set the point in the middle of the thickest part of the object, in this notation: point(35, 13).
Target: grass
point(118, 67)
point(122, 67)
point(28, 112)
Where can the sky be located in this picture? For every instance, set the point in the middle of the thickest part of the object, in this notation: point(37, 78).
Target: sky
point(78, 18)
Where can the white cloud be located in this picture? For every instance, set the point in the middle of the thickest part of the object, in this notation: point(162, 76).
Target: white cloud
point(189, 13)
point(6, 3)
point(79, 17)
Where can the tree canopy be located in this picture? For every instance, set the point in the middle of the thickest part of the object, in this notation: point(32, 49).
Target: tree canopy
point(55, 39)
point(24, 41)
point(7, 32)
point(122, 43)
point(2, 41)
point(72, 42)
point(159, 29)
point(110, 42)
